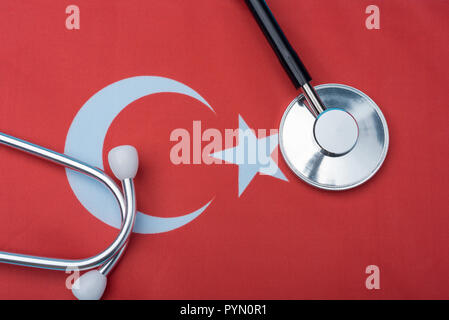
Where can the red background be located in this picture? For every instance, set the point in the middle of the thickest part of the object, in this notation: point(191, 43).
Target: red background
point(279, 240)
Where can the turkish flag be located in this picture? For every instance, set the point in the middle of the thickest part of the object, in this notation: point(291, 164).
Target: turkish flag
point(233, 235)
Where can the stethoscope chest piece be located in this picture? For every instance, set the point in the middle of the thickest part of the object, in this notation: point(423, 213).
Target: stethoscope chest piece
point(341, 148)
point(334, 137)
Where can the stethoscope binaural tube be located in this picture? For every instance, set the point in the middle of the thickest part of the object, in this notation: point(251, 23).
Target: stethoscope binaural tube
point(124, 163)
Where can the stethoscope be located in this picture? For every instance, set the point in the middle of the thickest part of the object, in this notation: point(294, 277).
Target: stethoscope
point(124, 162)
point(334, 138)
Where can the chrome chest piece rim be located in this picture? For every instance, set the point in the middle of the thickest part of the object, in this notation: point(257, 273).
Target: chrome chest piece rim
point(318, 167)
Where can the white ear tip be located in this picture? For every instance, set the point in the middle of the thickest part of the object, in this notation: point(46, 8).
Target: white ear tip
point(90, 286)
point(124, 162)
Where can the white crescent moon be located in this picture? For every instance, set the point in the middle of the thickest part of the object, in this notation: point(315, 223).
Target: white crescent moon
point(85, 141)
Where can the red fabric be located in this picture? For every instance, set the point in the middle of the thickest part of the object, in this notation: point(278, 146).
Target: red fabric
point(279, 240)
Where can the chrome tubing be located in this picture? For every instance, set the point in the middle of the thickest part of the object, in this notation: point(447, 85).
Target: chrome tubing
point(111, 254)
point(130, 197)
point(314, 103)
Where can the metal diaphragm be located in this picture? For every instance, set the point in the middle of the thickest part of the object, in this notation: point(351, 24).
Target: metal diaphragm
point(320, 168)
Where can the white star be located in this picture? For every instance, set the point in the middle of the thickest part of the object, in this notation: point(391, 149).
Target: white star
point(252, 155)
